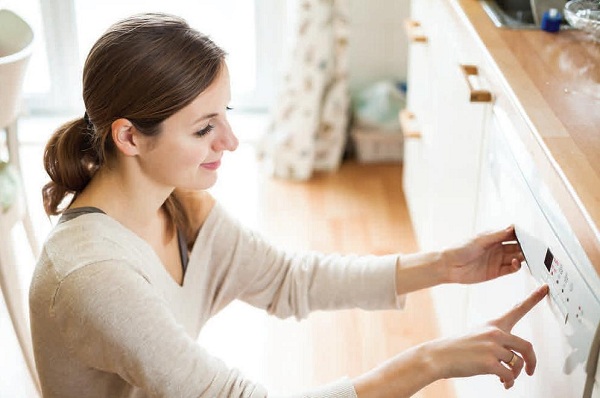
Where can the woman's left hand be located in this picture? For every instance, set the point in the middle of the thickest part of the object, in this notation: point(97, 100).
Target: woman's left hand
point(487, 256)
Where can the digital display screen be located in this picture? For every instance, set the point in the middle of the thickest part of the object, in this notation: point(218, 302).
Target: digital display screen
point(548, 260)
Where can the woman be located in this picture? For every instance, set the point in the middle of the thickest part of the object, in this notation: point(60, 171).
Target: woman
point(141, 258)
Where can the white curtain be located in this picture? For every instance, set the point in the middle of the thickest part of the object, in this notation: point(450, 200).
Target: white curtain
point(309, 127)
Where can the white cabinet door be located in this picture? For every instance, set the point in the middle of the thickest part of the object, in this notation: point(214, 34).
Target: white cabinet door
point(506, 197)
point(460, 116)
point(417, 134)
point(441, 167)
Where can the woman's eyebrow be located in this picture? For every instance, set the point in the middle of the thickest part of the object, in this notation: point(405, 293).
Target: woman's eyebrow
point(210, 115)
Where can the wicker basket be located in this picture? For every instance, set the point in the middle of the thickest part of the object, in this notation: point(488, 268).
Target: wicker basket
point(376, 146)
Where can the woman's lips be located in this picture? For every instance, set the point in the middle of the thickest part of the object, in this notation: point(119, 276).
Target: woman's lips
point(211, 165)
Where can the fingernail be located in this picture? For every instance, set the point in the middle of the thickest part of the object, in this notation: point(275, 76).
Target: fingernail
point(545, 288)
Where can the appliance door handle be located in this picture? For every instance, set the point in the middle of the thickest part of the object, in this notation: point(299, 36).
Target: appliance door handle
point(414, 31)
point(476, 92)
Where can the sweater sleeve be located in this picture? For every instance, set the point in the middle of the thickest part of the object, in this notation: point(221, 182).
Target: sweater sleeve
point(113, 321)
point(294, 284)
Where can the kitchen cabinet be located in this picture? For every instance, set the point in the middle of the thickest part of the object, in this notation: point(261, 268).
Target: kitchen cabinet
point(511, 191)
point(416, 120)
point(447, 106)
point(527, 155)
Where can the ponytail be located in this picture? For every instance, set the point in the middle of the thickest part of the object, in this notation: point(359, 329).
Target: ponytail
point(70, 160)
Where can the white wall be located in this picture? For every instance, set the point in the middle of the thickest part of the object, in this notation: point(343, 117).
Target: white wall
point(378, 46)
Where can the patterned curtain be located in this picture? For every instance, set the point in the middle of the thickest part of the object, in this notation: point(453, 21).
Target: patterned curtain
point(309, 127)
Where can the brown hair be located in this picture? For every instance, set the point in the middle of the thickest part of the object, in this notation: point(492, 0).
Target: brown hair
point(144, 68)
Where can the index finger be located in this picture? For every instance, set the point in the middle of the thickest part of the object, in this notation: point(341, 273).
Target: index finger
point(507, 321)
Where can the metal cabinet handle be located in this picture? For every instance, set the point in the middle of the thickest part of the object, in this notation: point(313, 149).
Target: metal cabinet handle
point(409, 125)
point(414, 31)
point(476, 93)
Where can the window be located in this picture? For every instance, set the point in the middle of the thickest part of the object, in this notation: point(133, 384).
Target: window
point(252, 33)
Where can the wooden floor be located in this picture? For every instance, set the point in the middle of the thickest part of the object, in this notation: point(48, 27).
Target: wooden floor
point(360, 209)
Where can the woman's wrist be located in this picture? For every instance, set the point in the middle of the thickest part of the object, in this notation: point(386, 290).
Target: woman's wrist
point(401, 376)
point(428, 363)
point(445, 267)
point(435, 354)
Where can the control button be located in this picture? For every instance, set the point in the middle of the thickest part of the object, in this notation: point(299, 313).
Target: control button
point(579, 314)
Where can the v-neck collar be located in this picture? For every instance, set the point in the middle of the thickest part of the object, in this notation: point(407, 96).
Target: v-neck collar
point(72, 214)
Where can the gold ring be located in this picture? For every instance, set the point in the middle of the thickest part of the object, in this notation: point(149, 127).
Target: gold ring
point(513, 360)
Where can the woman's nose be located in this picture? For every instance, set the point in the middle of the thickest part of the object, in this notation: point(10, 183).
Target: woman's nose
point(226, 141)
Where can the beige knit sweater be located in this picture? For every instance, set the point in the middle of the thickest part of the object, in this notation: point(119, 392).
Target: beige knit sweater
point(109, 321)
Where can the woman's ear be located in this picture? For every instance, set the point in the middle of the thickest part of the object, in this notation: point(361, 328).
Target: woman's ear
point(124, 135)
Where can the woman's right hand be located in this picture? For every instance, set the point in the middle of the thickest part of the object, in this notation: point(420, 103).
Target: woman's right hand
point(490, 350)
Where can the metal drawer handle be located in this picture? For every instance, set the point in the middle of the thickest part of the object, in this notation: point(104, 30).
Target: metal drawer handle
point(414, 31)
point(476, 92)
point(409, 125)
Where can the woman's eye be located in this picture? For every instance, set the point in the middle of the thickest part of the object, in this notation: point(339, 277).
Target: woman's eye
point(205, 130)
point(229, 108)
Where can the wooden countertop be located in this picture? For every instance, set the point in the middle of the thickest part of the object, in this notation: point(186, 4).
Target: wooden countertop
point(554, 80)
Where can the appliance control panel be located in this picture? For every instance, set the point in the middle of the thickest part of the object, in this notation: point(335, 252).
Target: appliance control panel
point(562, 288)
point(573, 302)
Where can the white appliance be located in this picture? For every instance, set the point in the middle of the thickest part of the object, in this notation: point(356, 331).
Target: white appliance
point(563, 328)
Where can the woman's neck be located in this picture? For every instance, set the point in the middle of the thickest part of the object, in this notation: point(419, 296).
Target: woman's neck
point(133, 201)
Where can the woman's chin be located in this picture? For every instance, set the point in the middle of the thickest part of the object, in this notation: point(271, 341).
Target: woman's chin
point(204, 184)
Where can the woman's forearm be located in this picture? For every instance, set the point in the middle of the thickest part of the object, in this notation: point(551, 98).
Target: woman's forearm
point(491, 349)
point(419, 271)
point(484, 257)
point(401, 376)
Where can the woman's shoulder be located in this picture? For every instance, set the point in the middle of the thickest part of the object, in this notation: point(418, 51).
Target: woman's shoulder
point(88, 239)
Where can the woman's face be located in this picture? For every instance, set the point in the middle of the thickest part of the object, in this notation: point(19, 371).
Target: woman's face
point(188, 151)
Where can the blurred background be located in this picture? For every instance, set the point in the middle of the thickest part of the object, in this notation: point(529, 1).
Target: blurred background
point(257, 34)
